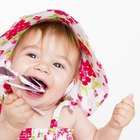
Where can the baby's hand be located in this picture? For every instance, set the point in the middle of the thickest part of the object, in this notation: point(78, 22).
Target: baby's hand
point(123, 113)
point(16, 111)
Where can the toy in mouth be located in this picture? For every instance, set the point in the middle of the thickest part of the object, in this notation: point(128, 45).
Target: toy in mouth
point(37, 83)
point(32, 84)
point(4, 71)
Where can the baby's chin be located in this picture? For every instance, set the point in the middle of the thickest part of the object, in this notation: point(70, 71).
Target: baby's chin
point(36, 102)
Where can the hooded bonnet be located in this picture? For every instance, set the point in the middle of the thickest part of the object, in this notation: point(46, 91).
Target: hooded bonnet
point(90, 89)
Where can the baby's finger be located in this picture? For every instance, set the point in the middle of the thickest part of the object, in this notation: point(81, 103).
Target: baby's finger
point(25, 108)
point(121, 111)
point(28, 114)
point(10, 99)
point(19, 102)
point(125, 106)
point(118, 121)
point(128, 100)
point(129, 97)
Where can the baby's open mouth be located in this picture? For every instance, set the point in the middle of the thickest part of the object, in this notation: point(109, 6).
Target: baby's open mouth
point(38, 83)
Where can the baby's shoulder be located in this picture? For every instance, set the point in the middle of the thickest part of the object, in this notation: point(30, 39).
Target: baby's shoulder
point(75, 112)
point(69, 117)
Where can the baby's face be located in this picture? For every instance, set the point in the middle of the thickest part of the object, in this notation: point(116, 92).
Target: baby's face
point(47, 59)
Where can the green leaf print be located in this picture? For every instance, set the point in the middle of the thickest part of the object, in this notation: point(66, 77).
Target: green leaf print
point(32, 138)
point(30, 16)
point(53, 16)
point(52, 129)
point(85, 89)
point(3, 42)
point(19, 35)
point(8, 53)
point(41, 134)
point(0, 99)
point(97, 104)
point(95, 85)
point(87, 44)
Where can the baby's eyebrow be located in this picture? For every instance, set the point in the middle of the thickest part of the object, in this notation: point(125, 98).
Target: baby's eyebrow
point(30, 47)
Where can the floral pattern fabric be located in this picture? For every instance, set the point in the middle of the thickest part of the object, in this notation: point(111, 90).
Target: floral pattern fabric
point(46, 134)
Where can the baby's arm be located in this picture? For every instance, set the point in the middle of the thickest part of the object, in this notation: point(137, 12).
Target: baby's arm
point(122, 115)
point(15, 114)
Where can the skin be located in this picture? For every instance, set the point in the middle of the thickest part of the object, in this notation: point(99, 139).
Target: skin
point(39, 57)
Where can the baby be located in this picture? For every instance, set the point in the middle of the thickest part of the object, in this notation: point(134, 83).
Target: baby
point(51, 48)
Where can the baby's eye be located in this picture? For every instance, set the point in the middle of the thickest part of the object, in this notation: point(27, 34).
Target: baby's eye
point(32, 55)
point(58, 65)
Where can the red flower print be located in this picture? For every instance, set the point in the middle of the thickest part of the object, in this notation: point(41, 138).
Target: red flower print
point(74, 103)
point(45, 137)
point(80, 97)
point(105, 96)
point(21, 25)
point(38, 135)
point(99, 65)
point(86, 80)
point(88, 114)
point(86, 71)
point(53, 123)
point(66, 21)
point(7, 88)
point(60, 12)
point(14, 42)
point(72, 20)
point(102, 101)
point(90, 109)
point(84, 48)
point(10, 34)
point(37, 17)
point(1, 52)
point(26, 134)
point(105, 79)
point(0, 107)
point(95, 93)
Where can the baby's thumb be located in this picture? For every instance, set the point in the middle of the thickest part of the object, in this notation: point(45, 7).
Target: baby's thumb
point(130, 97)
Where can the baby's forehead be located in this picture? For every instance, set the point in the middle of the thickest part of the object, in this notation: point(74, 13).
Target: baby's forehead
point(31, 37)
point(35, 35)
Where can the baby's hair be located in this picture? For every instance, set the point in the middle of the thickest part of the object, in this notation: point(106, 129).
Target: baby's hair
point(60, 28)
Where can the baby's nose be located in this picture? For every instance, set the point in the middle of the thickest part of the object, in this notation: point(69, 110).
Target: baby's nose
point(42, 67)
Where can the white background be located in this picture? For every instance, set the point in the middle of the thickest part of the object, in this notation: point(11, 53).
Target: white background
point(113, 28)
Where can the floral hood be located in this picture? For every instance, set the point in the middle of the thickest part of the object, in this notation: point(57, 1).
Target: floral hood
point(90, 89)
